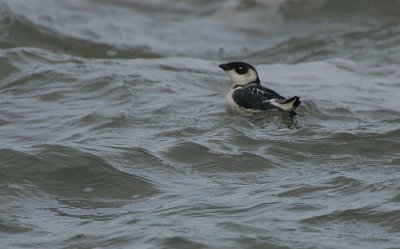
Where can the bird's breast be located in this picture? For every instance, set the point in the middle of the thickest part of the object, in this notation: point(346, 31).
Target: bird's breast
point(230, 102)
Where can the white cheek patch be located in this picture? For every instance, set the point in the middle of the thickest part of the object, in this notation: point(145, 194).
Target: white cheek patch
point(242, 79)
point(236, 78)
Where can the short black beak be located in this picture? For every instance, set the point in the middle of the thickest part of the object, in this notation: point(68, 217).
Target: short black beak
point(225, 67)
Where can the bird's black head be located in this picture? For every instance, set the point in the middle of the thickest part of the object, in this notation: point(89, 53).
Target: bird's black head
point(241, 73)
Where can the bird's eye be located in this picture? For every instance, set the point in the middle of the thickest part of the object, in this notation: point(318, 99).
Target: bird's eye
point(241, 70)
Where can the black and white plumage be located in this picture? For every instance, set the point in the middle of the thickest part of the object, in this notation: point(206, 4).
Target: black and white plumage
point(247, 92)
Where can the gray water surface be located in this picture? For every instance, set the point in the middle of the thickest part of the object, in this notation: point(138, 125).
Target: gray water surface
point(114, 134)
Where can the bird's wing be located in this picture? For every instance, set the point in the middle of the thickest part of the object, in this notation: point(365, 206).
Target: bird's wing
point(268, 93)
point(251, 98)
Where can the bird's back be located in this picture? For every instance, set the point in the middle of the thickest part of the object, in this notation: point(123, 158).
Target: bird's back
point(268, 93)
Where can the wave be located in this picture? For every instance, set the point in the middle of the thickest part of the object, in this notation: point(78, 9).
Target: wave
point(141, 152)
point(262, 10)
point(237, 29)
point(21, 30)
point(362, 215)
point(368, 46)
point(69, 173)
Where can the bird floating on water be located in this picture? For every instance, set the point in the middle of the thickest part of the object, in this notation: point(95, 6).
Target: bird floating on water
point(248, 94)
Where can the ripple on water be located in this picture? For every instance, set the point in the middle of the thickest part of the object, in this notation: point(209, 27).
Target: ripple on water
point(69, 173)
point(99, 150)
point(205, 158)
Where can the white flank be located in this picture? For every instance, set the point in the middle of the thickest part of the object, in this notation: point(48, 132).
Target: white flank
point(287, 106)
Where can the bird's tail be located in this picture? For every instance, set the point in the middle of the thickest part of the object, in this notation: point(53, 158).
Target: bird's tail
point(289, 104)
